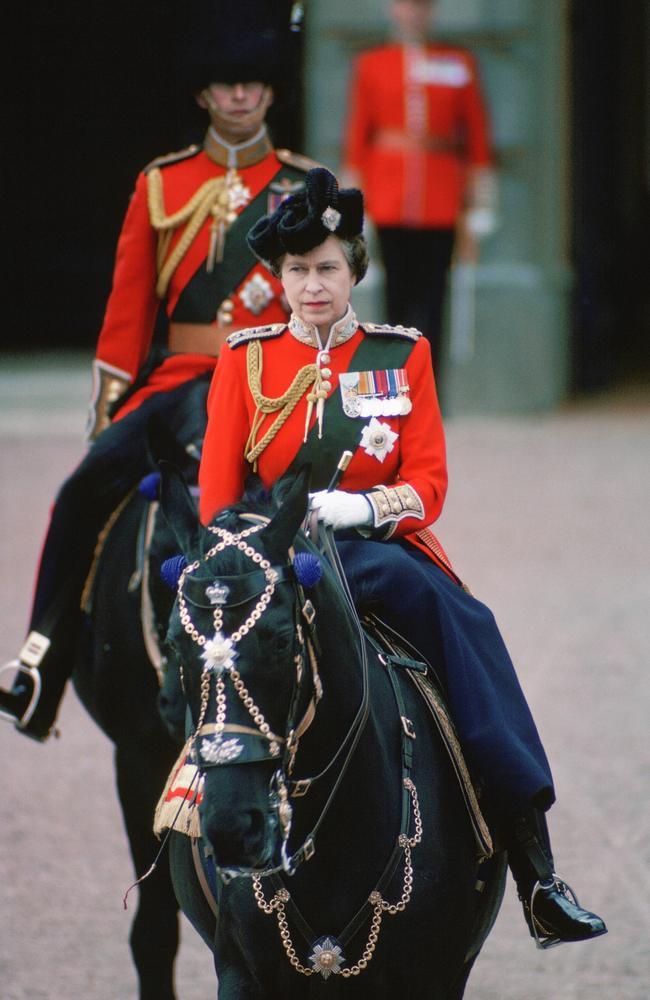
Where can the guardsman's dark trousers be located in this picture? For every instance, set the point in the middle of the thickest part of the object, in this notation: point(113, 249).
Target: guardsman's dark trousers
point(114, 465)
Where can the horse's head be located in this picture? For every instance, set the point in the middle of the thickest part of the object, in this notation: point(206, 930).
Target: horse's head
point(237, 630)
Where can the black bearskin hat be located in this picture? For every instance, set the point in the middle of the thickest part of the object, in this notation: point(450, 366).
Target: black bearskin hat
point(303, 221)
point(222, 41)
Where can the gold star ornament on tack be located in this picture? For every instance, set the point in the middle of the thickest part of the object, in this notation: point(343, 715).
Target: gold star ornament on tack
point(327, 957)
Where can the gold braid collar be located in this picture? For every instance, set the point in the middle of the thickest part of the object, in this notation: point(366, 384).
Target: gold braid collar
point(286, 403)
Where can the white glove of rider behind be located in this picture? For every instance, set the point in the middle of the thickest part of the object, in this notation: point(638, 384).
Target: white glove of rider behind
point(341, 510)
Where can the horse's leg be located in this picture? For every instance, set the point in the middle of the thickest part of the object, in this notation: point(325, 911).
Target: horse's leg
point(488, 909)
point(141, 774)
point(189, 892)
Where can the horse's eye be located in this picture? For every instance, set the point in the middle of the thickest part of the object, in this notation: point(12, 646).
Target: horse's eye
point(282, 643)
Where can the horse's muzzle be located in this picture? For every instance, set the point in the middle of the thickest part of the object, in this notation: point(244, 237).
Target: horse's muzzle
point(240, 839)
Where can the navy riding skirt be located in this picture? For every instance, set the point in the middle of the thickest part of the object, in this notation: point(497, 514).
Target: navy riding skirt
point(460, 639)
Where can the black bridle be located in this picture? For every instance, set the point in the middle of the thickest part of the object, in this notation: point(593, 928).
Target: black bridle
point(254, 744)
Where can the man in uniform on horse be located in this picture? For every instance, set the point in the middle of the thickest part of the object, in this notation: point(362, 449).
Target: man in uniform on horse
point(183, 246)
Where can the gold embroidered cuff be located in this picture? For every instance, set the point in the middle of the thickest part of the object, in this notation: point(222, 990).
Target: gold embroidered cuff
point(108, 385)
point(391, 504)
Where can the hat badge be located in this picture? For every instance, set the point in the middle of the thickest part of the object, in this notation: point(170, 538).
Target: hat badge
point(330, 218)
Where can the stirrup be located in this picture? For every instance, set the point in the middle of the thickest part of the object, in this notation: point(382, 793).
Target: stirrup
point(545, 938)
point(34, 675)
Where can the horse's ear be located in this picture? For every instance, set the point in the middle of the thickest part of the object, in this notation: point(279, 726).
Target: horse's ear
point(178, 507)
point(162, 444)
point(280, 533)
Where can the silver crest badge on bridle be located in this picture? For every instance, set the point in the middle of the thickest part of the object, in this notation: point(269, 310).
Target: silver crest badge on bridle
point(219, 652)
point(217, 593)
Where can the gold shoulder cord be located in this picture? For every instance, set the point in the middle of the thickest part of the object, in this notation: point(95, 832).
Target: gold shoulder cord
point(215, 197)
point(286, 403)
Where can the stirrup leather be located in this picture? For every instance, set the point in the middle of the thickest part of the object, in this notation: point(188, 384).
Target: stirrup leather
point(35, 677)
point(544, 937)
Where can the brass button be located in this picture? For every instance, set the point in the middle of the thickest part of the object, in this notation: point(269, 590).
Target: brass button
point(228, 305)
point(324, 358)
point(326, 386)
point(326, 372)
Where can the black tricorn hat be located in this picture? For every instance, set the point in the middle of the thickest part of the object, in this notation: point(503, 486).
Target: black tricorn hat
point(303, 221)
point(221, 41)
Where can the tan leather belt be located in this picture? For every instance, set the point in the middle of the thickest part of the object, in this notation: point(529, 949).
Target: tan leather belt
point(198, 338)
point(399, 139)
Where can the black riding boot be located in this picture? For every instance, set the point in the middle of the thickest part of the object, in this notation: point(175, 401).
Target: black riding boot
point(551, 908)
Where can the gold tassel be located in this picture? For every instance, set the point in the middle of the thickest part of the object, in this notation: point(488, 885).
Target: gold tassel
point(311, 397)
point(217, 241)
point(320, 406)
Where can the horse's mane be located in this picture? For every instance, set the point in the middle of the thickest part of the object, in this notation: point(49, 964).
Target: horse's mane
point(256, 500)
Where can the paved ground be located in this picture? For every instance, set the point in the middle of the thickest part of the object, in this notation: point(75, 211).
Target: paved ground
point(547, 520)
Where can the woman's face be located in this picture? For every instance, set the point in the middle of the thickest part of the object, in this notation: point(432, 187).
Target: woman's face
point(318, 284)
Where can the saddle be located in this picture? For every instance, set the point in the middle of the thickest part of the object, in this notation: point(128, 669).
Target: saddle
point(145, 569)
point(426, 682)
point(141, 573)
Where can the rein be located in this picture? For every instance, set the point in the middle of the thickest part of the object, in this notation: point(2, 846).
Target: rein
point(327, 954)
point(353, 735)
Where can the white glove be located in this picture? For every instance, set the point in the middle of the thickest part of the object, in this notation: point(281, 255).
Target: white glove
point(481, 222)
point(341, 510)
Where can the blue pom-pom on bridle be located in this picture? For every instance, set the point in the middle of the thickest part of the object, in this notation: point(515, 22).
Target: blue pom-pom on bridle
point(149, 486)
point(308, 568)
point(171, 570)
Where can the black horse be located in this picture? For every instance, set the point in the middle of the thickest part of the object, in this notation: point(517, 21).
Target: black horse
point(328, 804)
point(117, 675)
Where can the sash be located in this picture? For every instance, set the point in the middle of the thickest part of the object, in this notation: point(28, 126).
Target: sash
point(340, 432)
point(204, 292)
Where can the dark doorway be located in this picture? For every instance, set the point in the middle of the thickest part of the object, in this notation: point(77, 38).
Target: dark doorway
point(611, 193)
point(94, 98)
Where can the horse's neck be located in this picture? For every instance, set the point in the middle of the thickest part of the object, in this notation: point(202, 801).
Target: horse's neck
point(371, 785)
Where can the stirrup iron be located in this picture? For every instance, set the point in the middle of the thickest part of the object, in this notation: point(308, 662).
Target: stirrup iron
point(34, 675)
point(544, 938)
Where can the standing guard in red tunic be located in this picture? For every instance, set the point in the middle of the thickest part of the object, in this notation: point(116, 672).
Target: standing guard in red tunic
point(417, 142)
point(182, 246)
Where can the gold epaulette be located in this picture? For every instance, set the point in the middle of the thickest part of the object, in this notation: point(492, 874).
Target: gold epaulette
point(168, 158)
point(386, 330)
point(296, 160)
point(240, 337)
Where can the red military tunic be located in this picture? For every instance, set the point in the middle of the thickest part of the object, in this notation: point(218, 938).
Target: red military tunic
point(253, 297)
point(416, 461)
point(417, 123)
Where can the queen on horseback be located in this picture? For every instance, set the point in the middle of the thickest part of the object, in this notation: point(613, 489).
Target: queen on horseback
point(305, 392)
